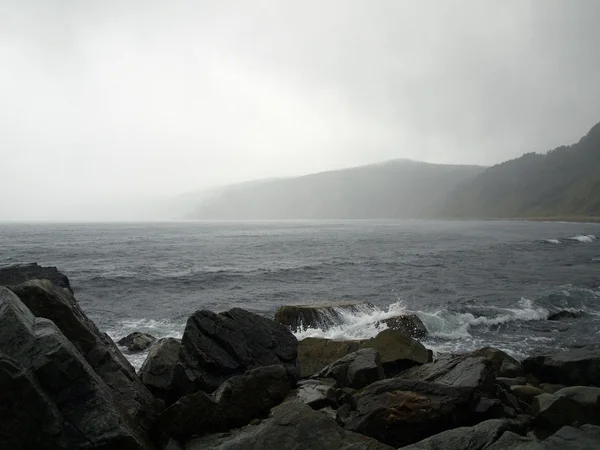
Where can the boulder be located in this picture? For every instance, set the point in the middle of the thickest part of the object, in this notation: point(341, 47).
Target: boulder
point(549, 388)
point(355, 370)
point(584, 395)
point(553, 412)
point(526, 393)
point(316, 394)
point(323, 315)
point(579, 366)
point(504, 364)
point(401, 412)
point(508, 382)
point(235, 403)
point(46, 300)
point(137, 342)
point(569, 438)
point(408, 324)
point(157, 371)
point(479, 437)
point(216, 347)
point(17, 274)
point(291, 426)
point(513, 441)
point(562, 315)
point(53, 391)
point(314, 354)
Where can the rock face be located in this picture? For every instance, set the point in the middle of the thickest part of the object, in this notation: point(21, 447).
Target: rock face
point(159, 367)
point(237, 401)
point(578, 366)
point(137, 342)
point(355, 370)
point(408, 324)
point(54, 390)
point(316, 394)
point(568, 438)
point(314, 354)
point(553, 412)
point(216, 347)
point(17, 274)
point(586, 396)
point(291, 426)
point(402, 412)
point(323, 315)
point(46, 300)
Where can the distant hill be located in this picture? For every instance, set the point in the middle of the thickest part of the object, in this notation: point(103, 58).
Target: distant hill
point(394, 189)
point(565, 182)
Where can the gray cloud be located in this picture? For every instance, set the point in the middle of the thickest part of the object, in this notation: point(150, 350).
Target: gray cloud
point(103, 102)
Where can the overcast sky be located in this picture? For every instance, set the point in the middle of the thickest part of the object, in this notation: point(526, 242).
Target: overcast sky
point(104, 101)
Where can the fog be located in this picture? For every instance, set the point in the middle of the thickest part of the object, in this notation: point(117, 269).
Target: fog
point(113, 109)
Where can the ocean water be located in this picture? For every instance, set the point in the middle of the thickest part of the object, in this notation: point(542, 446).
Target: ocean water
point(472, 283)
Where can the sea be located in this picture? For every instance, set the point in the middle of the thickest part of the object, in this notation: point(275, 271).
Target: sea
point(472, 283)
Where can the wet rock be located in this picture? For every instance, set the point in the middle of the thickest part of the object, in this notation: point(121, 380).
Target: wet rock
point(553, 412)
point(479, 437)
point(579, 366)
point(314, 354)
point(17, 274)
point(291, 426)
point(402, 412)
point(157, 371)
point(216, 347)
point(51, 391)
point(316, 394)
point(44, 299)
point(408, 324)
point(355, 370)
point(562, 315)
point(137, 342)
point(324, 315)
point(526, 393)
point(235, 403)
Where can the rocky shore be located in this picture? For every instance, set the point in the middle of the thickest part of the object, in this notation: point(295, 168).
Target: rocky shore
point(237, 380)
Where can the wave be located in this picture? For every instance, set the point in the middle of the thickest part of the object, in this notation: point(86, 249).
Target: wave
point(553, 241)
point(589, 238)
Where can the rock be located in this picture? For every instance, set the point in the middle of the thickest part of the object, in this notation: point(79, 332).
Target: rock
point(526, 393)
point(314, 354)
point(553, 412)
point(520, 381)
point(44, 299)
point(408, 324)
point(513, 441)
point(216, 347)
point(562, 315)
point(479, 437)
point(291, 426)
point(568, 438)
point(579, 366)
point(17, 274)
point(137, 342)
point(401, 412)
point(316, 394)
point(584, 395)
point(235, 403)
point(460, 371)
point(504, 364)
point(355, 370)
point(550, 388)
point(51, 391)
point(157, 371)
point(324, 315)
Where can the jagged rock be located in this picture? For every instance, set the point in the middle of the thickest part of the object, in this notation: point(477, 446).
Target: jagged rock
point(553, 412)
point(237, 401)
point(562, 315)
point(216, 347)
point(508, 382)
point(513, 441)
point(584, 395)
point(157, 371)
point(291, 426)
point(17, 274)
point(569, 438)
point(316, 394)
point(53, 390)
point(314, 354)
point(137, 342)
point(504, 364)
point(408, 324)
point(355, 370)
point(44, 299)
point(402, 412)
point(579, 366)
point(526, 393)
point(324, 315)
point(479, 437)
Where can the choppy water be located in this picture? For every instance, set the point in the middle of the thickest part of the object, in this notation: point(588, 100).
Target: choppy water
point(472, 283)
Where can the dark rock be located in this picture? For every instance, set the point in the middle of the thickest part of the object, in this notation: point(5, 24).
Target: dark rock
point(553, 412)
point(157, 371)
point(504, 364)
point(562, 315)
point(316, 394)
point(479, 437)
point(584, 395)
point(17, 274)
point(526, 393)
point(235, 403)
point(314, 354)
point(579, 366)
point(402, 412)
point(324, 315)
point(549, 388)
point(216, 347)
point(520, 381)
point(291, 426)
point(355, 370)
point(569, 438)
point(513, 441)
point(46, 300)
point(408, 324)
point(137, 342)
point(53, 391)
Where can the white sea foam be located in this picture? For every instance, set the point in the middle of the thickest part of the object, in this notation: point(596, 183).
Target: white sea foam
point(584, 238)
point(553, 241)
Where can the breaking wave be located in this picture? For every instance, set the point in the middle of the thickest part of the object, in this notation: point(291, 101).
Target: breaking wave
point(584, 238)
point(553, 241)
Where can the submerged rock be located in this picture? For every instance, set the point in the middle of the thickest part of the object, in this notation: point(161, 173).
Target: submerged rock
point(216, 347)
point(157, 371)
point(137, 342)
point(323, 315)
point(355, 370)
point(579, 366)
point(562, 315)
point(17, 274)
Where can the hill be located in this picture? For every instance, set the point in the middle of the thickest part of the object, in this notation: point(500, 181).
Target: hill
point(564, 182)
point(395, 189)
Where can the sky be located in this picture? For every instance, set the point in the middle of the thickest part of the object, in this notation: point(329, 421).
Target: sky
point(104, 103)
